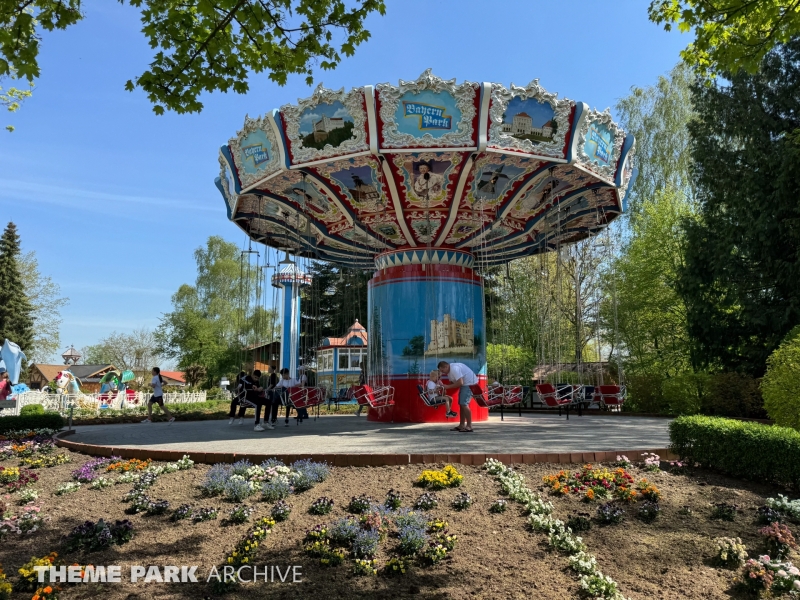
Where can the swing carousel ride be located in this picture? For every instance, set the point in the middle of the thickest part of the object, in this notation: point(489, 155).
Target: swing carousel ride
point(427, 184)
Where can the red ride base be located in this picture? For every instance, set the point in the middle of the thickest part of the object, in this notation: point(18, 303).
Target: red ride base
point(409, 407)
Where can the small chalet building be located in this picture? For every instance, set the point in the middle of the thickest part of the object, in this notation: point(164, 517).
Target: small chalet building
point(339, 359)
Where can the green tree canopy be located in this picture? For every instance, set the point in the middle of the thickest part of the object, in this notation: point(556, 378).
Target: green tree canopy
point(16, 311)
point(214, 321)
point(781, 382)
point(46, 303)
point(202, 46)
point(741, 279)
point(730, 34)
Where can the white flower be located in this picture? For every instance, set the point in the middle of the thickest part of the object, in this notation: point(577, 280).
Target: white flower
point(794, 571)
point(782, 573)
point(796, 584)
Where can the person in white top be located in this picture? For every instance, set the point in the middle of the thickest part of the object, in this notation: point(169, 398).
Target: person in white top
point(460, 377)
point(157, 397)
point(282, 389)
point(435, 391)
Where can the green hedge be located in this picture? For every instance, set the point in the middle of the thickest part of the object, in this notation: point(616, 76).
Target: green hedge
point(740, 448)
point(32, 409)
point(27, 422)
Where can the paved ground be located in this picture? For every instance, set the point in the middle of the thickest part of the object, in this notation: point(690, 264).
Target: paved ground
point(349, 434)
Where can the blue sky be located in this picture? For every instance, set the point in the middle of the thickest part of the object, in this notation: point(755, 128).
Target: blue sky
point(114, 199)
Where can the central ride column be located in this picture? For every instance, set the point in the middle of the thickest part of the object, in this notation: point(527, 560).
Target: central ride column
point(424, 306)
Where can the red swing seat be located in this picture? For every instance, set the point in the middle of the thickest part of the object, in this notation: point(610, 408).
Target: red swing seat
point(609, 396)
point(380, 397)
point(306, 397)
point(508, 396)
point(564, 398)
point(484, 400)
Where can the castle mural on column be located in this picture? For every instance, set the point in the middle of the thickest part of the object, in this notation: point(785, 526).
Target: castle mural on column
point(449, 336)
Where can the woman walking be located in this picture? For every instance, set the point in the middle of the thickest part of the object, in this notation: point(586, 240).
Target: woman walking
point(157, 397)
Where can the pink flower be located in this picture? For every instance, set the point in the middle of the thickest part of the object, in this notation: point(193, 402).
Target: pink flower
point(764, 559)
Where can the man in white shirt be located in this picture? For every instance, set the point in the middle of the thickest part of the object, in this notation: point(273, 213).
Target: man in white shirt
point(460, 377)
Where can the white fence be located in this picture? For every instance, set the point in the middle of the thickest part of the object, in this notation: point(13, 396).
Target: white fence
point(94, 402)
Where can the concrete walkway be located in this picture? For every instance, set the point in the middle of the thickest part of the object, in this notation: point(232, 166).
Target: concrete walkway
point(536, 433)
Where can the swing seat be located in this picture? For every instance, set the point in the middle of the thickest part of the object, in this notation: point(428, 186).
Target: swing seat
point(244, 402)
point(609, 396)
point(306, 397)
point(436, 402)
point(509, 395)
point(553, 397)
point(481, 398)
point(381, 397)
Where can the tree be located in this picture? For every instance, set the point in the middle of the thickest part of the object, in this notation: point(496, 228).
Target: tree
point(12, 97)
point(336, 298)
point(16, 311)
point(729, 34)
point(46, 304)
point(194, 374)
point(657, 116)
point(741, 278)
point(214, 321)
point(134, 351)
point(203, 46)
point(779, 385)
point(641, 301)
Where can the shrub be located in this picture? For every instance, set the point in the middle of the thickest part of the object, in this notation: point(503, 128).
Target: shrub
point(648, 511)
point(741, 449)
point(609, 513)
point(96, 536)
point(343, 531)
point(359, 504)
point(462, 501)
point(426, 501)
point(779, 540)
point(393, 500)
point(730, 552)
point(281, 510)
point(724, 511)
point(321, 506)
point(48, 420)
point(240, 514)
point(316, 472)
point(31, 409)
point(790, 508)
point(365, 543)
point(781, 382)
point(412, 540)
point(216, 478)
point(644, 394)
point(733, 395)
point(579, 522)
point(275, 489)
point(237, 488)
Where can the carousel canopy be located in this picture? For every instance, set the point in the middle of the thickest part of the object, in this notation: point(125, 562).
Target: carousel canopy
point(426, 166)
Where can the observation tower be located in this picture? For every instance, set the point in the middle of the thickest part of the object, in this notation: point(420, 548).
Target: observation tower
point(290, 278)
point(427, 183)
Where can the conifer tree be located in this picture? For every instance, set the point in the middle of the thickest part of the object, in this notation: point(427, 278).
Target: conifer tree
point(16, 312)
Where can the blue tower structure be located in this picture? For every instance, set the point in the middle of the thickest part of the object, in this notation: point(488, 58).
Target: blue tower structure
point(290, 278)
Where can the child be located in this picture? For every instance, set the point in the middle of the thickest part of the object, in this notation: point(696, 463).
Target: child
point(435, 392)
point(157, 397)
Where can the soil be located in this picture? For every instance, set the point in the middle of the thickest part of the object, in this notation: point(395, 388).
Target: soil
point(496, 555)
